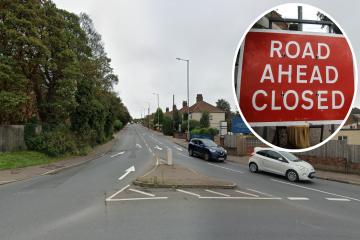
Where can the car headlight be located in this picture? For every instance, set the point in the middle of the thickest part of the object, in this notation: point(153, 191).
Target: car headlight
point(212, 150)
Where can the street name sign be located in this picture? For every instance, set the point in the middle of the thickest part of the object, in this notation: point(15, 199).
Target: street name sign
point(294, 78)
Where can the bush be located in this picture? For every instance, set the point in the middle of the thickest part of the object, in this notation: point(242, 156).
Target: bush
point(167, 126)
point(193, 124)
point(118, 125)
point(210, 131)
point(54, 142)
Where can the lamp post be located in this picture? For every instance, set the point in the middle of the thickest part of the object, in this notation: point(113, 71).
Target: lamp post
point(148, 115)
point(158, 117)
point(187, 86)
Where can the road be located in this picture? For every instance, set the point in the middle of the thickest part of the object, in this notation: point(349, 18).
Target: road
point(97, 201)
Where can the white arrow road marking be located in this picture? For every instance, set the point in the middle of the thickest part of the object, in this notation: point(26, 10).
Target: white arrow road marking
point(127, 171)
point(138, 145)
point(117, 154)
point(230, 169)
point(157, 147)
point(316, 190)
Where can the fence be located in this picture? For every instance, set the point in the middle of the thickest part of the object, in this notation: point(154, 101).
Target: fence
point(242, 144)
point(336, 149)
point(12, 138)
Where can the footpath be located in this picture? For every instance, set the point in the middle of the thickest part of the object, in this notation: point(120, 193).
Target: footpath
point(12, 175)
point(327, 175)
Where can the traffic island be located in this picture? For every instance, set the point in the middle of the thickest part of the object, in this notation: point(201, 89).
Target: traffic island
point(176, 176)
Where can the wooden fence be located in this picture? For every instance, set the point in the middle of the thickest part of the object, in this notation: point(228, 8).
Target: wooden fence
point(12, 138)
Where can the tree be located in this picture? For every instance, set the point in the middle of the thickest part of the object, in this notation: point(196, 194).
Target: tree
point(176, 119)
point(205, 120)
point(158, 117)
point(223, 105)
point(167, 128)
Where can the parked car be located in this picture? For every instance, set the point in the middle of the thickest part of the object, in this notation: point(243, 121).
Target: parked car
point(207, 149)
point(281, 163)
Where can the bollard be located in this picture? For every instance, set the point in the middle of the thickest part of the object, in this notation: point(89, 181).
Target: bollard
point(169, 157)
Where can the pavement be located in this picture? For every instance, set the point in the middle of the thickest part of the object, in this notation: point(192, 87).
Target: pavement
point(98, 200)
point(327, 175)
point(12, 175)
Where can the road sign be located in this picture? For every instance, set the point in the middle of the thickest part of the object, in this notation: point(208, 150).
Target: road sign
point(238, 125)
point(294, 78)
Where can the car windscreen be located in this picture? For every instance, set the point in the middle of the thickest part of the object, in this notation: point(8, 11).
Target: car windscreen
point(290, 156)
point(208, 143)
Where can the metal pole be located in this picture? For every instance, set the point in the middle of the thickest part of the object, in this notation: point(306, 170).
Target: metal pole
point(188, 109)
point(158, 112)
point(300, 15)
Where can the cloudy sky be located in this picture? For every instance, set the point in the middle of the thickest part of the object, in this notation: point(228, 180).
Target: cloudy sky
point(144, 37)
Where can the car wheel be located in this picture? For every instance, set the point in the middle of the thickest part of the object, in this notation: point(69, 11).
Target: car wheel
point(191, 152)
point(206, 157)
point(292, 176)
point(253, 167)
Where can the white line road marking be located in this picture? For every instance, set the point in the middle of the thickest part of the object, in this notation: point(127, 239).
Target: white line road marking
point(218, 193)
point(245, 198)
point(230, 169)
point(180, 149)
point(141, 192)
point(316, 190)
point(157, 147)
point(191, 193)
point(117, 154)
point(127, 171)
point(150, 150)
point(109, 198)
point(138, 145)
point(134, 199)
point(266, 194)
point(250, 194)
point(298, 198)
point(338, 199)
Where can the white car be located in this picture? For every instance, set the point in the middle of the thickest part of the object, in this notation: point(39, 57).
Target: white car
point(281, 163)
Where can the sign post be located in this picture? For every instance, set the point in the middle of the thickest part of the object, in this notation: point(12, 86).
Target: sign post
point(289, 78)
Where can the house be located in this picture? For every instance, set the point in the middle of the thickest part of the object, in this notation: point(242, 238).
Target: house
point(216, 115)
point(350, 132)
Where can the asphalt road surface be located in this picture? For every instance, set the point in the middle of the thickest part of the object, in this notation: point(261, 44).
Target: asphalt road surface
point(97, 201)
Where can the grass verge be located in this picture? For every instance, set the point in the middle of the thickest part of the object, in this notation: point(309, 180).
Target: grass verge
point(11, 160)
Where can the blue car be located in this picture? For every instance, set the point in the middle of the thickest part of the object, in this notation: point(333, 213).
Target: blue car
point(206, 149)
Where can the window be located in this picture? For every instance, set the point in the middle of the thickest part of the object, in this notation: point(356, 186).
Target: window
point(210, 117)
point(273, 155)
point(262, 153)
point(342, 138)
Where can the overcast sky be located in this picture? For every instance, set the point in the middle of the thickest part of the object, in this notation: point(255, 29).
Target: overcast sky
point(143, 38)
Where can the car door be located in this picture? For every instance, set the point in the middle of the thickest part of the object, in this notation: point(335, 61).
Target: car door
point(275, 164)
point(201, 148)
point(194, 146)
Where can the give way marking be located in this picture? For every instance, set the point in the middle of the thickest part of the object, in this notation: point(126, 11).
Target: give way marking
point(318, 190)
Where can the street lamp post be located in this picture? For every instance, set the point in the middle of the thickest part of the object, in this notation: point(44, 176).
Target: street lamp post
point(148, 115)
point(187, 81)
point(157, 94)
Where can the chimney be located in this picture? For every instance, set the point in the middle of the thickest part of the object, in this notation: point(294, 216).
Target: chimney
point(184, 103)
point(167, 109)
point(199, 97)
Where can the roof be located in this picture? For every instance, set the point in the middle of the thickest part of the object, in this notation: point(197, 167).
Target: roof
point(183, 109)
point(202, 106)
